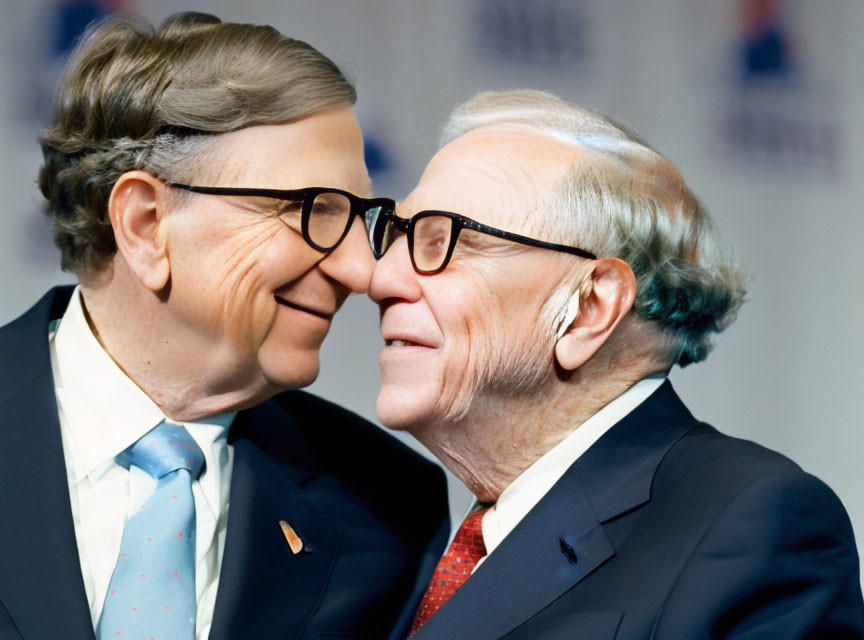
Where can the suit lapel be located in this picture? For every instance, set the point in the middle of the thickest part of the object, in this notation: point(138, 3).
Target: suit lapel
point(264, 588)
point(554, 547)
point(402, 624)
point(619, 469)
point(562, 540)
point(40, 574)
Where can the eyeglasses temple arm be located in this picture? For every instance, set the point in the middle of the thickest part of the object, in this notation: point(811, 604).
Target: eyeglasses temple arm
point(515, 237)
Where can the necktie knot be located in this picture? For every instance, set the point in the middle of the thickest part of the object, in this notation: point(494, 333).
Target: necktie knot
point(469, 537)
point(165, 448)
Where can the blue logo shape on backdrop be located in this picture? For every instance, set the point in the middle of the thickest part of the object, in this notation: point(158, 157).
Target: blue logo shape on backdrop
point(766, 44)
point(377, 158)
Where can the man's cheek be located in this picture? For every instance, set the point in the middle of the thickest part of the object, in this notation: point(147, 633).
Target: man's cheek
point(242, 271)
point(464, 373)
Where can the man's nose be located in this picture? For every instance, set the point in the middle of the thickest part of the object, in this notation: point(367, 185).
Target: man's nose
point(351, 263)
point(394, 276)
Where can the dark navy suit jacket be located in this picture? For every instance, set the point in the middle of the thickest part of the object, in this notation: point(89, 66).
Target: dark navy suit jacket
point(666, 528)
point(372, 514)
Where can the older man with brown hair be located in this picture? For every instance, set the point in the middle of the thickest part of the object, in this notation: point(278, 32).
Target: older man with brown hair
point(538, 285)
point(204, 182)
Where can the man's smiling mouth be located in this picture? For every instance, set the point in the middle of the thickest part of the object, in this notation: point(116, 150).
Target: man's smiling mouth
point(298, 307)
point(401, 342)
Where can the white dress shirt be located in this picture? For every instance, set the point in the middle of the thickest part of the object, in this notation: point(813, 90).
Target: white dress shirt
point(531, 485)
point(102, 412)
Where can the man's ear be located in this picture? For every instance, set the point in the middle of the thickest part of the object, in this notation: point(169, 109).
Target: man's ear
point(136, 208)
point(609, 295)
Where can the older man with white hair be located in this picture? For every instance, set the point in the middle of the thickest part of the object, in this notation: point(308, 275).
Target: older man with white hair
point(538, 285)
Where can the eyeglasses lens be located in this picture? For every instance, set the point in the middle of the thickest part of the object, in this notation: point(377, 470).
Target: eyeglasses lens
point(328, 218)
point(431, 241)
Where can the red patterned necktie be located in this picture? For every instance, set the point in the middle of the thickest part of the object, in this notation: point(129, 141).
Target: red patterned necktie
point(454, 567)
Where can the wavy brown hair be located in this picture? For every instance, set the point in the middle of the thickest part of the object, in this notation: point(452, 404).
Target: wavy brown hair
point(137, 98)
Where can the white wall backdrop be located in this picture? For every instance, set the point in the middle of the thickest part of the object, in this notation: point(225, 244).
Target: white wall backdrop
point(769, 137)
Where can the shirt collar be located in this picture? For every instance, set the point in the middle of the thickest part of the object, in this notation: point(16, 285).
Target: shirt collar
point(531, 485)
point(105, 410)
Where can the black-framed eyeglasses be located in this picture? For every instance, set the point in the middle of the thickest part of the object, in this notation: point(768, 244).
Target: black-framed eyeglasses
point(432, 236)
point(322, 215)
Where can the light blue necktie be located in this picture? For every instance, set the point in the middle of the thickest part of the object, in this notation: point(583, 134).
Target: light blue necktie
point(152, 589)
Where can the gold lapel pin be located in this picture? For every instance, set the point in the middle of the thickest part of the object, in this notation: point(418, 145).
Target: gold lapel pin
point(291, 536)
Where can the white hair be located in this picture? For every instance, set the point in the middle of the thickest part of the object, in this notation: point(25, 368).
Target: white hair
point(623, 199)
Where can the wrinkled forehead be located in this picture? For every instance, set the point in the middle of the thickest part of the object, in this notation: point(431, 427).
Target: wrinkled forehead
point(496, 174)
point(322, 150)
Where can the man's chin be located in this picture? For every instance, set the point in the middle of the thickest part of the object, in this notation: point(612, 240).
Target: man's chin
point(401, 413)
point(292, 375)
